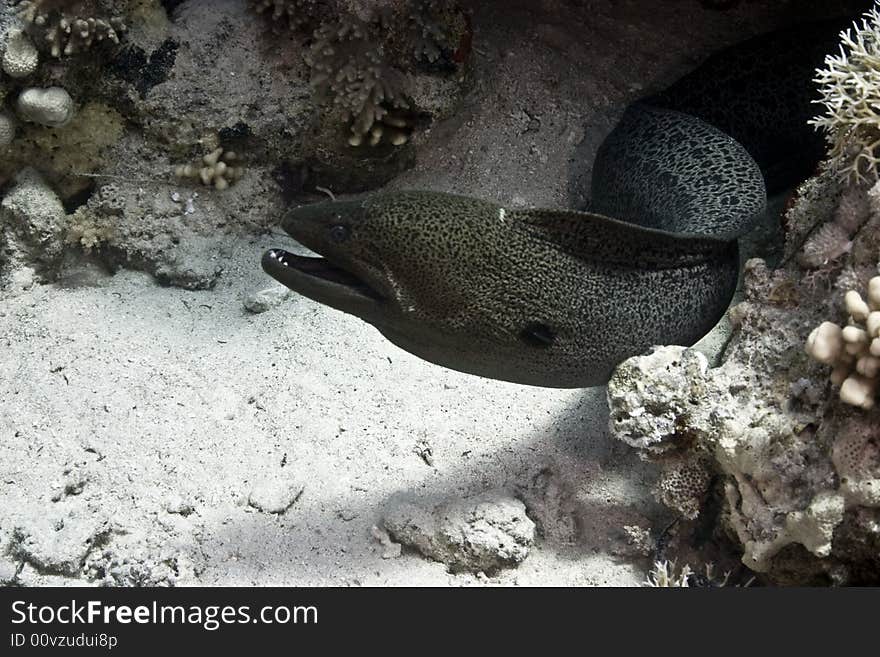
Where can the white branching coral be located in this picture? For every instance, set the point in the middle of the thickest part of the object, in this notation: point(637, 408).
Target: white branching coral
point(853, 351)
point(850, 87)
point(664, 575)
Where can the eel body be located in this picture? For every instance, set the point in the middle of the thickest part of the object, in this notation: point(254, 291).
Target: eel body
point(559, 298)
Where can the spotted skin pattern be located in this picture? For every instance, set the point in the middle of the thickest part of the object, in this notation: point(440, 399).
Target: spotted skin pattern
point(559, 298)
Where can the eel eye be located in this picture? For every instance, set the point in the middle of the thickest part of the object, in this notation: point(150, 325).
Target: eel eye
point(339, 233)
point(536, 334)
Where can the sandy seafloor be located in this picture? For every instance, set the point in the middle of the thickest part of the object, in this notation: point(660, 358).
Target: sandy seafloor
point(123, 403)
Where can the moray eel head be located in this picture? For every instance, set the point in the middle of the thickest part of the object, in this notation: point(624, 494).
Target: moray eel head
point(379, 259)
point(341, 276)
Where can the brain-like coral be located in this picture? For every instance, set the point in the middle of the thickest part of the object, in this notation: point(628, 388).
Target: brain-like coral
point(67, 27)
point(683, 485)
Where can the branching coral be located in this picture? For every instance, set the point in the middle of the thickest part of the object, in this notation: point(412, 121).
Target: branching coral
point(854, 350)
point(218, 168)
point(850, 87)
point(665, 575)
point(349, 69)
point(68, 27)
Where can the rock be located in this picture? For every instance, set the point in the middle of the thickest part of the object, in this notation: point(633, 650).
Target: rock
point(56, 547)
point(481, 533)
point(32, 222)
point(52, 107)
point(649, 397)
point(274, 495)
point(8, 572)
point(263, 300)
point(178, 505)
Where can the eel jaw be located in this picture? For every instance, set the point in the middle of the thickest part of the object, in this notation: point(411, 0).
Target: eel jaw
point(323, 281)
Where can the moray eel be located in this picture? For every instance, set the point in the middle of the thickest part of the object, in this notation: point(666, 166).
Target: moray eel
point(559, 298)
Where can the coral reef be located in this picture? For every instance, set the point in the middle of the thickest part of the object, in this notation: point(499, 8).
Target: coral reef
point(850, 88)
point(154, 233)
point(93, 225)
point(794, 470)
point(428, 29)
point(67, 27)
point(480, 534)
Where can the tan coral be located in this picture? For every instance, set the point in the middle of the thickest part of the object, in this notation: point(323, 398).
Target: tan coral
point(853, 351)
point(67, 28)
point(218, 169)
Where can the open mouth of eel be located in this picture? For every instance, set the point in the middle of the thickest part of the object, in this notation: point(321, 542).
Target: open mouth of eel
point(306, 274)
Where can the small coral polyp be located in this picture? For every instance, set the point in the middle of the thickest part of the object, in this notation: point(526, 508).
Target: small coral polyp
point(854, 350)
point(68, 27)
